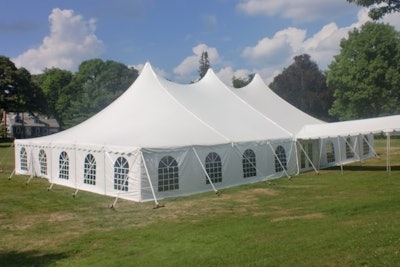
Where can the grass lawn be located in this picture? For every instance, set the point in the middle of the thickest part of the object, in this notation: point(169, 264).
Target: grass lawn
point(310, 220)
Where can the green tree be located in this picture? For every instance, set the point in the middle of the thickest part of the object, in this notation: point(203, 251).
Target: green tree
point(94, 86)
point(54, 83)
point(242, 82)
point(204, 64)
point(303, 85)
point(378, 8)
point(365, 74)
point(17, 91)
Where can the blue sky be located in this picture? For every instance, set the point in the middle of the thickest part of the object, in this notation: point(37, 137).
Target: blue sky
point(241, 37)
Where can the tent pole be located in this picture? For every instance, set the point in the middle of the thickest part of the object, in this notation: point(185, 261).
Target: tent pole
point(370, 146)
point(297, 156)
point(205, 171)
point(320, 153)
point(308, 158)
point(388, 165)
point(353, 149)
point(151, 185)
point(31, 167)
point(280, 163)
point(11, 175)
point(340, 155)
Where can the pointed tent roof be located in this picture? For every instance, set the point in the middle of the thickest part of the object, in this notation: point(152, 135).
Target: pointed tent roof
point(261, 97)
point(214, 103)
point(156, 113)
point(146, 115)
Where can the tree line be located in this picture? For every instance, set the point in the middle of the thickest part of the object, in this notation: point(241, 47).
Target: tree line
point(362, 81)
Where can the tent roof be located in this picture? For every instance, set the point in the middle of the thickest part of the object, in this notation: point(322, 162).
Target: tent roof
point(213, 102)
point(156, 113)
point(389, 124)
point(262, 98)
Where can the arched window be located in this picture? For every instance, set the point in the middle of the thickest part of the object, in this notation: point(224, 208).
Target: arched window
point(168, 174)
point(63, 164)
point(214, 168)
point(249, 163)
point(280, 159)
point(89, 170)
point(349, 149)
point(43, 162)
point(365, 146)
point(121, 170)
point(23, 159)
point(330, 152)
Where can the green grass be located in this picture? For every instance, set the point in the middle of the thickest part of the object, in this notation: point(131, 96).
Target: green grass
point(310, 220)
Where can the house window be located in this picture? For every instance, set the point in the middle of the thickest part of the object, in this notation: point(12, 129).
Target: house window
point(330, 152)
point(23, 159)
point(365, 146)
point(121, 170)
point(89, 170)
point(63, 164)
point(249, 163)
point(349, 149)
point(168, 174)
point(43, 162)
point(213, 168)
point(280, 159)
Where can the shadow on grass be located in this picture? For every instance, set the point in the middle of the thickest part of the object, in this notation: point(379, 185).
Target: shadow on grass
point(365, 168)
point(29, 258)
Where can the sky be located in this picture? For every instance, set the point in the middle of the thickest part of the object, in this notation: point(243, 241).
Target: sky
point(240, 36)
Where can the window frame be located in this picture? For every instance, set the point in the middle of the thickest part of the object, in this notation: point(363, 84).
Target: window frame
point(168, 174)
point(213, 166)
point(249, 163)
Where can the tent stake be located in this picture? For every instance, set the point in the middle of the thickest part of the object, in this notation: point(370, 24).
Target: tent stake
point(75, 193)
point(50, 187)
point(11, 175)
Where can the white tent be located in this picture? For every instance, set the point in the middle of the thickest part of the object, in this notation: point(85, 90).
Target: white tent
point(262, 98)
point(162, 139)
point(311, 152)
point(353, 137)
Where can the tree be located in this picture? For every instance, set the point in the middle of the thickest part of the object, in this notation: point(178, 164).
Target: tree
point(303, 85)
point(94, 86)
point(17, 91)
point(378, 8)
point(204, 64)
point(242, 82)
point(365, 74)
point(53, 83)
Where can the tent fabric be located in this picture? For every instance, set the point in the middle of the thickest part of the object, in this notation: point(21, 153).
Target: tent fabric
point(388, 124)
point(161, 139)
point(263, 99)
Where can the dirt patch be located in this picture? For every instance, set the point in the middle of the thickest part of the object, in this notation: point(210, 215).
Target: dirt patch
point(300, 217)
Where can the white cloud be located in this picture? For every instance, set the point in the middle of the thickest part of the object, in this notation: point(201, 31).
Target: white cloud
point(191, 63)
point(71, 41)
point(226, 74)
point(275, 49)
point(274, 54)
point(299, 10)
